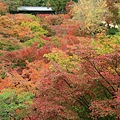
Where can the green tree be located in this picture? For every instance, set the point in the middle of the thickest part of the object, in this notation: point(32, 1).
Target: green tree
point(14, 104)
point(41, 2)
point(58, 5)
point(29, 2)
point(75, 0)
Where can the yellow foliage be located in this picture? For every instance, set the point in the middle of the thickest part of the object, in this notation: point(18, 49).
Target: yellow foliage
point(90, 13)
point(66, 62)
point(107, 44)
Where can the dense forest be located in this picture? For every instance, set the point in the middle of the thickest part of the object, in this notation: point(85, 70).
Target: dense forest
point(62, 66)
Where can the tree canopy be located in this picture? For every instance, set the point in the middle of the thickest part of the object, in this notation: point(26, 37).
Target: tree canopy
point(58, 5)
point(51, 68)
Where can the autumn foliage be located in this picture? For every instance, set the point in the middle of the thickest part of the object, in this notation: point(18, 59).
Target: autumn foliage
point(52, 69)
point(3, 8)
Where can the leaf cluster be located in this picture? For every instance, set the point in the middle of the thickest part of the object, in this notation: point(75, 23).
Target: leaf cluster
point(14, 105)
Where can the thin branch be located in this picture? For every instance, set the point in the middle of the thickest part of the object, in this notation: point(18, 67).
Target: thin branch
point(93, 64)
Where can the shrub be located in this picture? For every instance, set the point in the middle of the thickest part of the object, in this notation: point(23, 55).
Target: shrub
point(112, 31)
